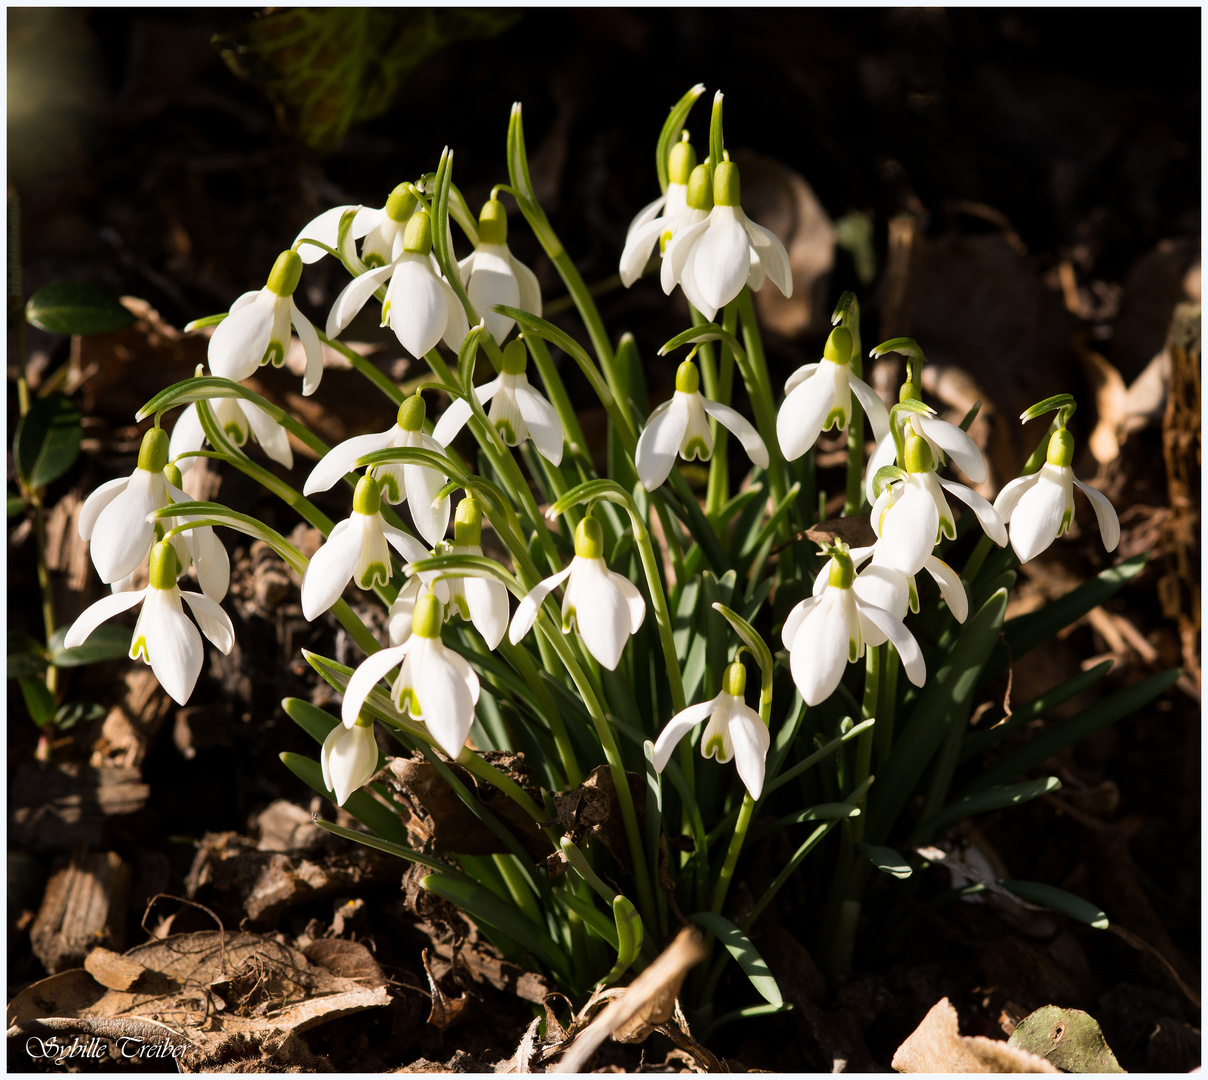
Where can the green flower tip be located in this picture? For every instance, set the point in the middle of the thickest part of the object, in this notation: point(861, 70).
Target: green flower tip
point(417, 238)
point(735, 681)
point(910, 391)
point(918, 455)
point(1061, 449)
point(687, 378)
point(286, 273)
point(842, 571)
point(427, 617)
point(681, 161)
point(164, 566)
point(367, 498)
point(515, 357)
point(726, 189)
point(401, 204)
point(700, 189)
point(589, 539)
point(153, 454)
point(493, 223)
point(467, 523)
point(364, 721)
point(411, 413)
point(172, 475)
point(838, 346)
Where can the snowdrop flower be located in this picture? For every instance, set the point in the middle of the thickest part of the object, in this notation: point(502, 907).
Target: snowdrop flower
point(257, 330)
point(493, 275)
point(818, 398)
point(734, 731)
point(163, 636)
point(420, 306)
point(830, 629)
point(357, 548)
point(681, 426)
point(605, 607)
point(418, 485)
point(1040, 507)
point(910, 514)
point(114, 517)
point(886, 587)
point(434, 684)
point(197, 547)
point(943, 438)
point(714, 258)
point(238, 419)
point(350, 758)
point(651, 227)
point(518, 411)
point(382, 230)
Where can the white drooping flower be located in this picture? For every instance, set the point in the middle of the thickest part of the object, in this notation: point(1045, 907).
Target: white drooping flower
point(1039, 507)
point(681, 426)
point(886, 587)
point(198, 547)
point(818, 398)
point(493, 275)
point(434, 684)
point(257, 329)
point(349, 757)
point(420, 306)
point(650, 227)
point(911, 513)
point(163, 636)
point(943, 439)
point(830, 630)
point(734, 731)
point(238, 419)
point(603, 606)
point(381, 228)
point(358, 548)
point(712, 259)
point(417, 485)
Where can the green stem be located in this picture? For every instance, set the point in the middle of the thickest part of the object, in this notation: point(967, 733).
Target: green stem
point(736, 841)
point(519, 658)
point(718, 493)
point(854, 500)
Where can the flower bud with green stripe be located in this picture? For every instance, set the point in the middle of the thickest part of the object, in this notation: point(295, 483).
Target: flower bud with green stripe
point(493, 275)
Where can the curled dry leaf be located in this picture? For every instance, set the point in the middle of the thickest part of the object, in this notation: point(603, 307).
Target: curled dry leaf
point(937, 1046)
point(1069, 1038)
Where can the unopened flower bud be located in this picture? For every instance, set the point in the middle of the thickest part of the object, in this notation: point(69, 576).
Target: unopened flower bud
point(153, 453)
point(493, 223)
point(286, 273)
point(589, 539)
point(726, 187)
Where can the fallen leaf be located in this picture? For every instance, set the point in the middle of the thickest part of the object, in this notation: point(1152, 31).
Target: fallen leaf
point(937, 1046)
point(1069, 1038)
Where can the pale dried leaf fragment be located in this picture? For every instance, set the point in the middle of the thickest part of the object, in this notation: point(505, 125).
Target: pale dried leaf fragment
point(112, 970)
point(937, 1046)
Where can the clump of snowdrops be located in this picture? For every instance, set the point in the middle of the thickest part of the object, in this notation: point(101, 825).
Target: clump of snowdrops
point(712, 672)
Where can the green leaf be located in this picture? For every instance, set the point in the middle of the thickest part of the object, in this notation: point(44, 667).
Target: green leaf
point(378, 844)
point(109, 641)
point(739, 946)
point(994, 798)
point(16, 505)
point(47, 439)
point(1067, 1038)
point(26, 656)
point(360, 804)
point(1059, 900)
point(670, 134)
point(76, 712)
point(76, 307)
point(38, 700)
point(887, 860)
point(630, 933)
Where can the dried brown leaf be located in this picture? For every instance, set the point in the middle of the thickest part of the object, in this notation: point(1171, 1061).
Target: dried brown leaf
point(937, 1046)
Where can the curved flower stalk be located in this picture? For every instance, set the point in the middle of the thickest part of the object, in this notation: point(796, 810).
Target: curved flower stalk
point(650, 227)
point(357, 548)
point(911, 513)
point(493, 275)
point(603, 606)
point(163, 636)
point(818, 398)
point(734, 731)
point(417, 485)
point(714, 258)
point(1040, 507)
point(380, 228)
point(434, 684)
point(681, 426)
point(349, 758)
point(239, 419)
point(830, 629)
point(420, 306)
point(257, 330)
point(943, 439)
point(518, 411)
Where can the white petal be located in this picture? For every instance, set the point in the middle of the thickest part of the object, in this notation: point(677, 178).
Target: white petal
point(453, 419)
point(541, 419)
point(312, 347)
point(401, 611)
point(751, 739)
point(488, 603)
point(647, 214)
point(909, 529)
point(339, 460)
point(210, 561)
point(271, 436)
point(457, 326)
point(530, 287)
point(678, 250)
point(740, 427)
point(633, 600)
point(772, 257)
point(350, 757)
point(690, 285)
point(659, 443)
point(104, 609)
point(884, 453)
point(874, 408)
point(214, 622)
point(819, 653)
point(884, 587)
point(418, 309)
point(366, 677)
point(530, 604)
point(1010, 495)
point(173, 645)
point(903, 641)
point(600, 611)
point(122, 535)
point(639, 245)
point(956, 444)
point(1109, 523)
point(325, 228)
point(354, 297)
point(679, 726)
point(331, 567)
point(422, 484)
point(990, 521)
point(1038, 516)
point(444, 698)
point(951, 588)
point(239, 342)
point(187, 434)
point(799, 376)
point(407, 546)
point(795, 617)
point(493, 282)
point(801, 416)
point(722, 258)
point(97, 501)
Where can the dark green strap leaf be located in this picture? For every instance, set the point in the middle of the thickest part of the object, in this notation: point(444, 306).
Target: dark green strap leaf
point(739, 946)
point(76, 307)
point(47, 440)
